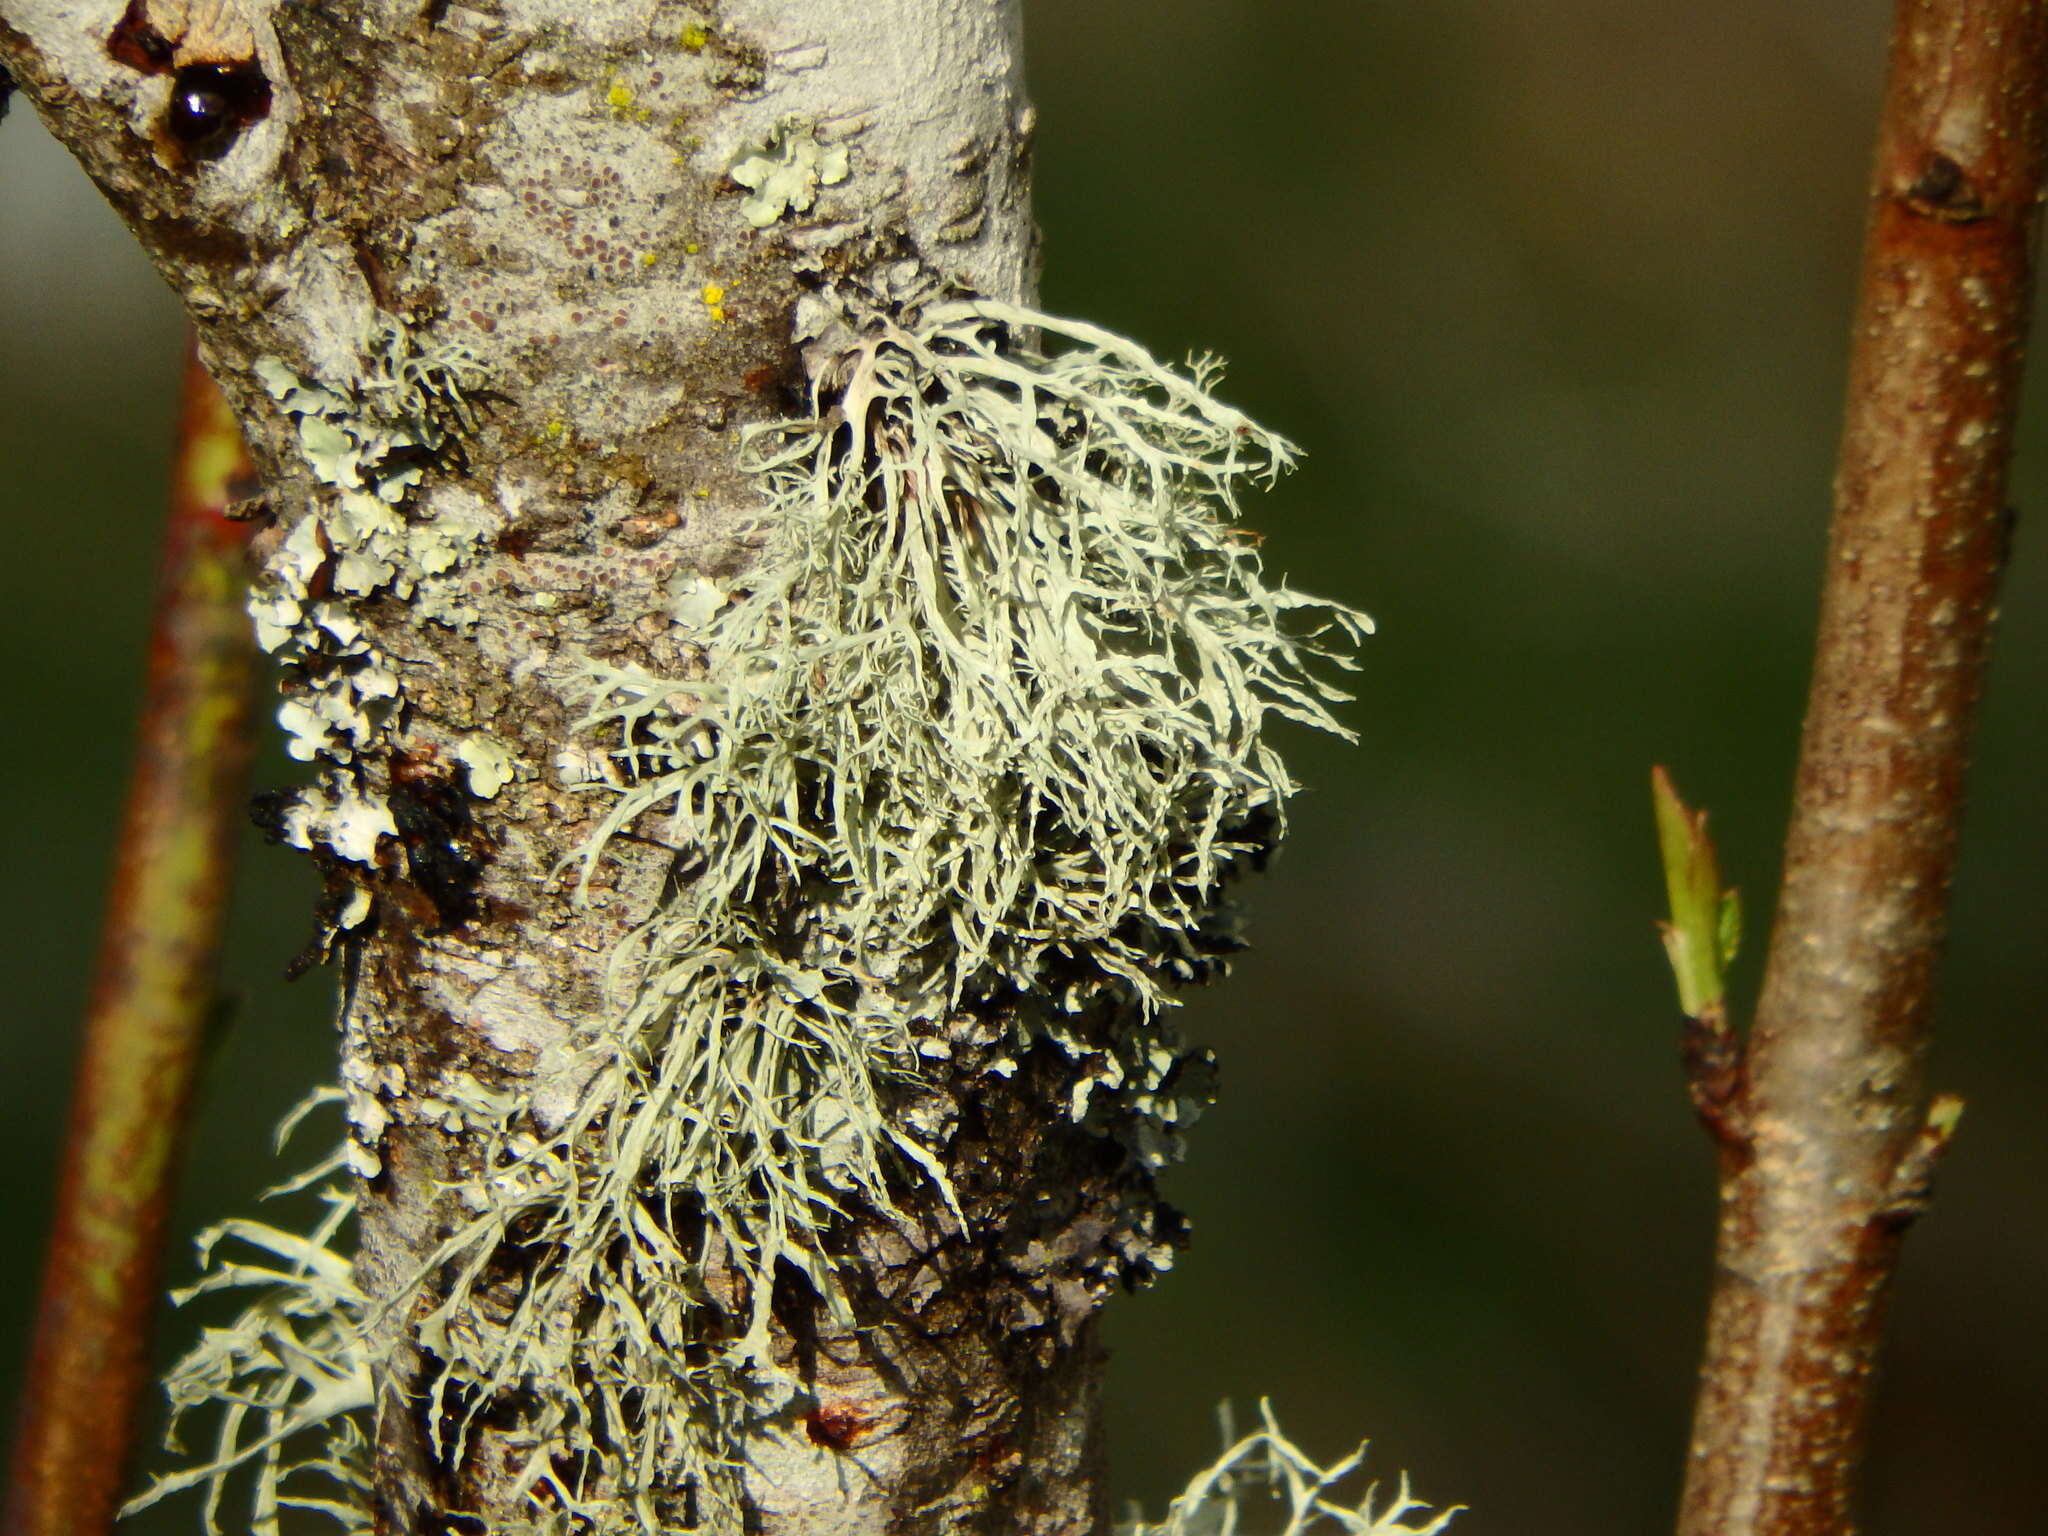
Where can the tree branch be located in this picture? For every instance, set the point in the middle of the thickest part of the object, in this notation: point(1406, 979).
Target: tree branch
point(1840, 1137)
point(781, 715)
point(154, 992)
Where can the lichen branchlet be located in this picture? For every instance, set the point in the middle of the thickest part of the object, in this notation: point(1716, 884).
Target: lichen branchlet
point(1264, 1481)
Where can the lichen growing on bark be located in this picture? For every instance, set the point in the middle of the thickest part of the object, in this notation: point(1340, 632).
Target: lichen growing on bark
point(286, 1383)
point(980, 730)
point(367, 442)
point(980, 734)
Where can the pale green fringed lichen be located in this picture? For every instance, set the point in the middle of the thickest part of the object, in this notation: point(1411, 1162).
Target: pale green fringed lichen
point(1265, 1485)
point(998, 682)
point(974, 744)
point(286, 1383)
point(980, 729)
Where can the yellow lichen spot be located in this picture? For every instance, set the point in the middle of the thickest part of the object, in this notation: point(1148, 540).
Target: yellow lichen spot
point(555, 428)
point(714, 301)
point(648, 258)
point(691, 248)
point(620, 97)
point(695, 37)
point(701, 495)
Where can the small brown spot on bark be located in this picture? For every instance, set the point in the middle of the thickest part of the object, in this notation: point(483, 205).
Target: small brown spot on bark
point(1943, 191)
point(836, 1426)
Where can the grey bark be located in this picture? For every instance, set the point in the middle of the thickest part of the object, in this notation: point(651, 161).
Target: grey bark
point(546, 185)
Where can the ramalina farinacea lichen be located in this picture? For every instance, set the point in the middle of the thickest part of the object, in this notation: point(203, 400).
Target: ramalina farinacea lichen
point(981, 730)
point(1264, 1482)
point(997, 686)
point(979, 735)
point(286, 1386)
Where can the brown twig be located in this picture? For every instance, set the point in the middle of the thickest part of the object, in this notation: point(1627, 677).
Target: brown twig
point(1840, 1139)
point(153, 990)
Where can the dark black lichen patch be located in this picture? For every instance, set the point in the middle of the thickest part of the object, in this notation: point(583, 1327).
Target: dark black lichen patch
point(444, 850)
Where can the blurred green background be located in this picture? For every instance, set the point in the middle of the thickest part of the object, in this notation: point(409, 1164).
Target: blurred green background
point(1555, 297)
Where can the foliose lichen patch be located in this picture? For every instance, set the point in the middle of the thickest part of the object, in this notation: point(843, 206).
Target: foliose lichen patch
point(785, 174)
point(366, 444)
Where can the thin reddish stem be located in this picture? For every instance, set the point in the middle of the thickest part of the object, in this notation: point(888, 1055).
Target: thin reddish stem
point(153, 990)
point(1836, 1141)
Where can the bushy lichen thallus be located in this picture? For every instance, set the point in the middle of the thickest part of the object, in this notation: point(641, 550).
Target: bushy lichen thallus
point(981, 733)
